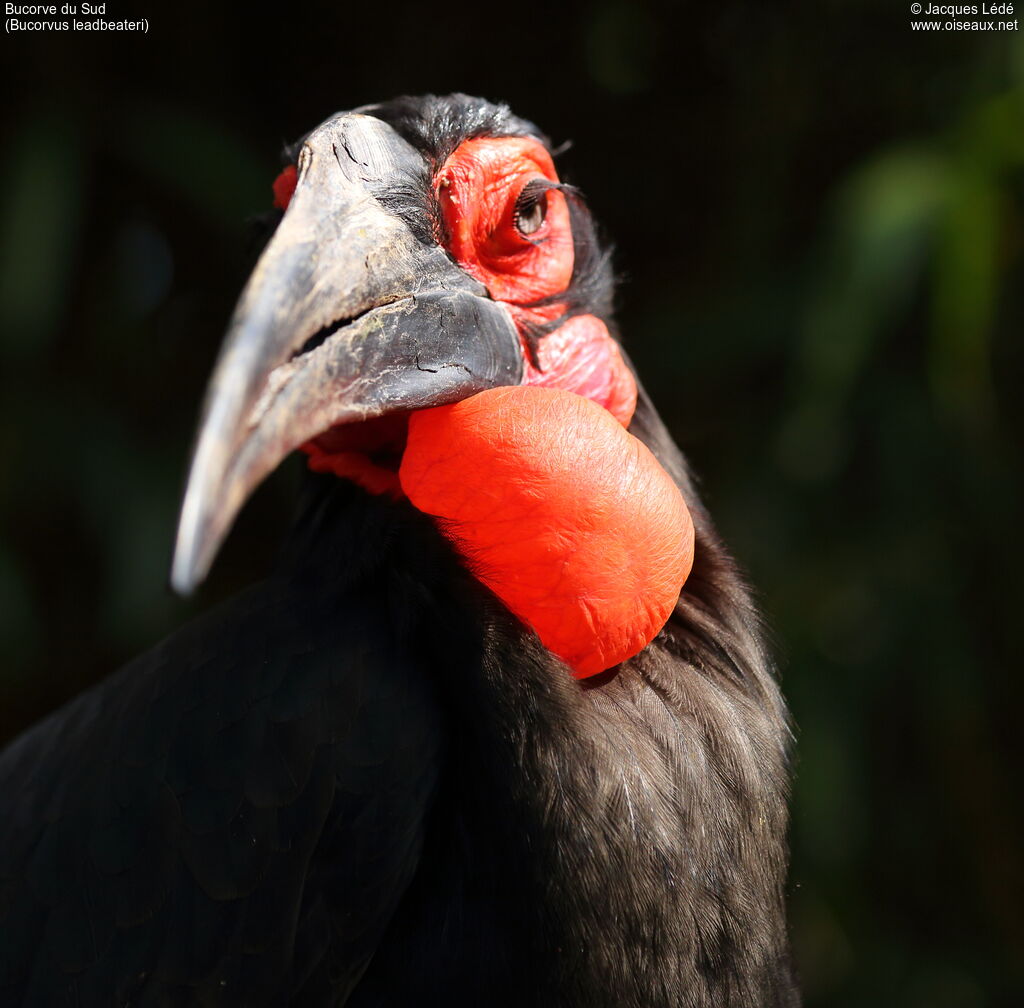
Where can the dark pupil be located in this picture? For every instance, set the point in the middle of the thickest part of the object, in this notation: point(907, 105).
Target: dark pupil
point(531, 209)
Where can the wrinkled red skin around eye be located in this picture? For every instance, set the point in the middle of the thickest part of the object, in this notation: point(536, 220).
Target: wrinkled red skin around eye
point(477, 188)
point(564, 515)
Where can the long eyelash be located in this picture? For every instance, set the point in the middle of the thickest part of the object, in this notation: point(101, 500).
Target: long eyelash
point(528, 198)
point(532, 192)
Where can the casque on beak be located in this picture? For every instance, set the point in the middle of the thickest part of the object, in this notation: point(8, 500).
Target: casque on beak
point(347, 316)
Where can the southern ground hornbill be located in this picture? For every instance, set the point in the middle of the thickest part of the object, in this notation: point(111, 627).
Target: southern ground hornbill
point(469, 744)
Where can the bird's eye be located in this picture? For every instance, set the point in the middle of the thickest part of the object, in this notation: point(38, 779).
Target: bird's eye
point(531, 208)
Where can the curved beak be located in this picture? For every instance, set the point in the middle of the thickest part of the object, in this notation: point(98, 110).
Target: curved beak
point(347, 316)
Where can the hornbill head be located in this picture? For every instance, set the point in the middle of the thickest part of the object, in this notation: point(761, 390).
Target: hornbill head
point(431, 320)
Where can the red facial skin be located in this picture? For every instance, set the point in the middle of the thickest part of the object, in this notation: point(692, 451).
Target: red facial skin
point(561, 512)
point(478, 187)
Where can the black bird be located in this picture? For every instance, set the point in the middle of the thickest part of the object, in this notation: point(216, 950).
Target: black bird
point(469, 744)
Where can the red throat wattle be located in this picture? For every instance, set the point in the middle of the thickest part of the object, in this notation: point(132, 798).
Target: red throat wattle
point(562, 513)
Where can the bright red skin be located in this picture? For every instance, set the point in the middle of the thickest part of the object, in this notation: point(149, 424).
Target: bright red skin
point(580, 356)
point(564, 515)
point(284, 186)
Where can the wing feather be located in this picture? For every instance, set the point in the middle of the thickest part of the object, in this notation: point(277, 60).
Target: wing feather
point(229, 820)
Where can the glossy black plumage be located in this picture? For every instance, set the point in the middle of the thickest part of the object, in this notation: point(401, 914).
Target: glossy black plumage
point(229, 805)
point(363, 782)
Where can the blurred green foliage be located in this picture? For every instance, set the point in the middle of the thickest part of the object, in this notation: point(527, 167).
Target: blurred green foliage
point(819, 223)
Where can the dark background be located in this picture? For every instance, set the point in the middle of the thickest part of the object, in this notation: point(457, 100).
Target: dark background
point(818, 216)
